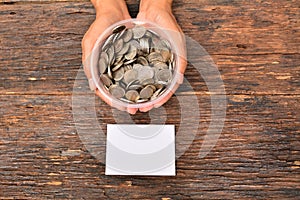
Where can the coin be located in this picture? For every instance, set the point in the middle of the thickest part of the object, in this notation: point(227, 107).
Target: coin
point(165, 54)
point(104, 56)
point(137, 66)
point(155, 56)
point(132, 95)
point(147, 81)
point(105, 80)
point(127, 35)
point(135, 87)
point(142, 60)
point(160, 65)
point(117, 66)
point(157, 93)
point(111, 54)
point(145, 72)
point(146, 92)
point(124, 50)
point(108, 42)
point(102, 65)
point(117, 91)
point(129, 61)
point(164, 75)
point(119, 74)
point(130, 75)
point(119, 29)
point(118, 45)
point(144, 43)
point(138, 32)
point(131, 52)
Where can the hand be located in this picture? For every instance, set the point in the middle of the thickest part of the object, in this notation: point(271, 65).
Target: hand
point(108, 12)
point(160, 12)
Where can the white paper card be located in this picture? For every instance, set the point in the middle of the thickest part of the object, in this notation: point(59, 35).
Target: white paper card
point(140, 150)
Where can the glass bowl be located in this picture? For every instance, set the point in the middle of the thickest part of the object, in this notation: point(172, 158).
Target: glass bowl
point(94, 66)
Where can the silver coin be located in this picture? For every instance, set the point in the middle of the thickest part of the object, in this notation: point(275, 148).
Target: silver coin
point(135, 87)
point(131, 83)
point(117, 66)
point(130, 75)
point(148, 81)
point(127, 67)
point(104, 56)
point(111, 54)
point(125, 49)
point(142, 100)
point(137, 66)
point(164, 83)
point(119, 29)
point(118, 59)
point(118, 45)
point(126, 100)
point(166, 43)
point(121, 34)
point(127, 35)
point(102, 65)
point(155, 56)
point(166, 55)
point(146, 92)
point(138, 32)
point(109, 72)
point(153, 87)
point(142, 60)
point(131, 53)
point(119, 74)
point(117, 91)
point(145, 72)
point(164, 75)
point(129, 61)
point(144, 43)
point(153, 34)
point(108, 42)
point(121, 84)
point(105, 80)
point(135, 43)
point(132, 95)
point(157, 93)
point(160, 65)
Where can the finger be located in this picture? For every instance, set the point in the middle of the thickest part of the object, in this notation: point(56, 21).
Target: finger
point(164, 100)
point(167, 97)
point(89, 40)
point(146, 109)
point(132, 111)
point(106, 100)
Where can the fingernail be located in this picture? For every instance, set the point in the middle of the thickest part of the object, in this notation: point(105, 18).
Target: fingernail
point(132, 111)
point(92, 84)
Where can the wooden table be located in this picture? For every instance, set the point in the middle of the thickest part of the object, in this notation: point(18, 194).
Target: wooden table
point(256, 46)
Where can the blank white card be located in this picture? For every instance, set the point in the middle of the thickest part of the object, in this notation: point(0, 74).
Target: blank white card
point(140, 150)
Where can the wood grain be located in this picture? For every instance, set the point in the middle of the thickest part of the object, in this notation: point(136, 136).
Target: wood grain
point(256, 159)
point(255, 45)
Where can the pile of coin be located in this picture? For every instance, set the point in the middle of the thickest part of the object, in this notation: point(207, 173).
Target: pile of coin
point(135, 64)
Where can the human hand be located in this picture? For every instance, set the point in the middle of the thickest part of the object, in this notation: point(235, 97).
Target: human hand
point(108, 12)
point(160, 12)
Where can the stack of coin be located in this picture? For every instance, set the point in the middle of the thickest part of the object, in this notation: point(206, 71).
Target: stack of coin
point(135, 64)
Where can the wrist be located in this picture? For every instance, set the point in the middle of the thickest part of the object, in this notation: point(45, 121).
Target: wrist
point(118, 7)
point(157, 4)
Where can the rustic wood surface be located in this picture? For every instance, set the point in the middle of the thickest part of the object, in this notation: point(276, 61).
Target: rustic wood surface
point(256, 46)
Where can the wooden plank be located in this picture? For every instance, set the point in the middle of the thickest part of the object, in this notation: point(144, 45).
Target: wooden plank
point(40, 52)
point(256, 47)
point(257, 155)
